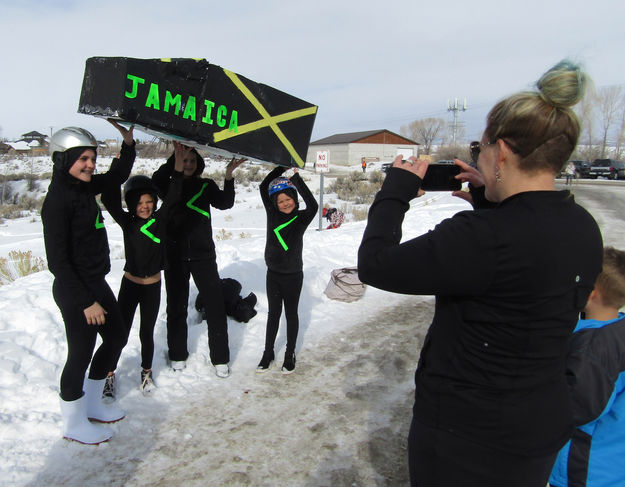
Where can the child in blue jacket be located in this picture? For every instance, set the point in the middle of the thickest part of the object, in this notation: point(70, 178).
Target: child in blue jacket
point(596, 374)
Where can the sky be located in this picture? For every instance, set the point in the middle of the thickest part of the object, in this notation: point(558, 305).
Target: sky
point(366, 65)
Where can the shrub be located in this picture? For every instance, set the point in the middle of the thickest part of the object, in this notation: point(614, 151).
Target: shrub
point(223, 235)
point(360, 214)
point(355, 188)
point(19, 264)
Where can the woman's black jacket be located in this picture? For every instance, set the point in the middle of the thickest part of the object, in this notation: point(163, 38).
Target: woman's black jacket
point(509, 284)
point(73, 227)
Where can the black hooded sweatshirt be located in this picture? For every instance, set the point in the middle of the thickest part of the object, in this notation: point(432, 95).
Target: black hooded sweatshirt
point(285, 232)
point(144, 240)
point(73, 227)
point(189, 231)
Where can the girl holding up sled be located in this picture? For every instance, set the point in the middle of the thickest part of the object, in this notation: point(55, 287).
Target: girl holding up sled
point(144, 231)
point(286, 225)
point(78, 256)
point(191, 253)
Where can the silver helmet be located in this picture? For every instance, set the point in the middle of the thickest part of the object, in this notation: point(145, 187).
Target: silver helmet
point(70, 137)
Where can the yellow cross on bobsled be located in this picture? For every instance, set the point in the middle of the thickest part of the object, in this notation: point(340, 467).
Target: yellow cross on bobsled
point(266, 121)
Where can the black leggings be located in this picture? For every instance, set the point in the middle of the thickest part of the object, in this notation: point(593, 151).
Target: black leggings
point(437, 457)
point(81, 338)
point(148, 298)
point(283, 288)
point(206, 278)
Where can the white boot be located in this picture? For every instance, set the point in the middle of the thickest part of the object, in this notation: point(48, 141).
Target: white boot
point(77, 427)
point(96, 409)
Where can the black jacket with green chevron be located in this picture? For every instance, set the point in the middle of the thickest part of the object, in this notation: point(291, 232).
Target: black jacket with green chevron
point(189, 231)
point(285, 232)
point(144, 240)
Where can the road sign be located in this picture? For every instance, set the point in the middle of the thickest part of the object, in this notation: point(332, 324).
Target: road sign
point(322, 163)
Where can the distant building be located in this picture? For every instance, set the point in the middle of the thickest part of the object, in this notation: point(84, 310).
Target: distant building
point(35, 136)
point(372, 145)
point(20, 147)
point(36, 141)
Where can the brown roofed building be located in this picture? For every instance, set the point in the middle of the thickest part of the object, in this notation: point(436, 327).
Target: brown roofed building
point(372, 145)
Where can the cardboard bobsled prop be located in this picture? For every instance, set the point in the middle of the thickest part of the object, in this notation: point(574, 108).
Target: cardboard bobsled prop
point(200, 104)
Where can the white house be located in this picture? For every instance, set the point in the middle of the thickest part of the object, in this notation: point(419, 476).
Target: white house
point(372, 146)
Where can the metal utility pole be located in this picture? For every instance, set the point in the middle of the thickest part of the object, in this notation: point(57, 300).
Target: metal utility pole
point(455, 109)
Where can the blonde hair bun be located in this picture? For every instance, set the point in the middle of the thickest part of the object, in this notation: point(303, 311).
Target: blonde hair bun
point(563, 85)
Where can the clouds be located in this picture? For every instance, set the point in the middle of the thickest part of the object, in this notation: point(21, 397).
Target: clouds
point(368, 65)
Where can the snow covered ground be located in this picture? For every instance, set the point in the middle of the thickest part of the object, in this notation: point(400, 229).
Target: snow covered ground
point(251, 429)
point(341, 419)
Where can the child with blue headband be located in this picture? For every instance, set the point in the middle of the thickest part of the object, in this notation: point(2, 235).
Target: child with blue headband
point(286, 225)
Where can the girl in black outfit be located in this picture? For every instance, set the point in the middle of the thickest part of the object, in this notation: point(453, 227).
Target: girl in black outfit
point(191, 252)
point(144, 242)
point(78, 256)
point(286, 225)
point(491, 405)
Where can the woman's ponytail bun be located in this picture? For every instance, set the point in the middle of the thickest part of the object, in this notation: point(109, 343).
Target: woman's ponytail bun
point(563, 85)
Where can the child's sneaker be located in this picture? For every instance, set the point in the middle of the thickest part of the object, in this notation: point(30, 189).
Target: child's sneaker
point(108, 393)
point(147, 384)
point(178, 365)
point(289, 363)
point(222, 371)
point(265, 362)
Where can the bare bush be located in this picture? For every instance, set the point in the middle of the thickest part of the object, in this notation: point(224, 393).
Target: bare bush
point(19, 264)
point(355, 188)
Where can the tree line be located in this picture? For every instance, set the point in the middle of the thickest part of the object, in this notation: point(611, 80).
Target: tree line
point(601, 114)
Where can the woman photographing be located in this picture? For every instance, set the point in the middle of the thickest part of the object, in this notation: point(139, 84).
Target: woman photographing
point(491, 405)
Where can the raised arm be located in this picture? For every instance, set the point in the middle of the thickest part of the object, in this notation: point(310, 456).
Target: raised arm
point(112, 201)
point(311, 203)
point(175, 182)
point(264, 185)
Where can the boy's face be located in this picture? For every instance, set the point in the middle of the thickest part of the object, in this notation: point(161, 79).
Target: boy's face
point(189, 165)
point(84, 167)
point(145, 207)
point(285, 203)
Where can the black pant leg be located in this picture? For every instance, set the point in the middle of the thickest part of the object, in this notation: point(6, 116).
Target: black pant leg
point(149, 304)
point(292, 289)
point(274, 309)
point(438, 457)
point(206, 278)
point(127, 299)
point(112, 332)
point(177, 287)
point(81, 339)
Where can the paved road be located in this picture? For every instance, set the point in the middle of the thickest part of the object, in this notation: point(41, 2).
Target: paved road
point(606, 202)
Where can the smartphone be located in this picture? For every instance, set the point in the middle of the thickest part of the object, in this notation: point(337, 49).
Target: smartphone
point(440, 177)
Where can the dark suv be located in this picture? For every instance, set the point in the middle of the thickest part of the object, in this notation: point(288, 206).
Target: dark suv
point(608, 168)
point(582, 168)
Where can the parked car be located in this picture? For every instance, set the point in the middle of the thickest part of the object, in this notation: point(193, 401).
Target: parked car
point(607, 168)
point(582, 168)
